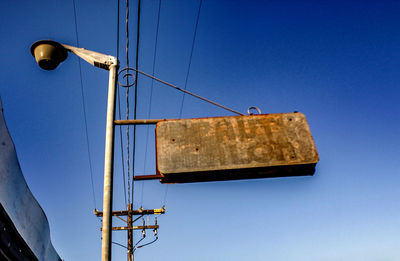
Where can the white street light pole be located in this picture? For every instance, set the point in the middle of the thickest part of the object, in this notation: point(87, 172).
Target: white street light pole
point(109, 168)
point(48, 55)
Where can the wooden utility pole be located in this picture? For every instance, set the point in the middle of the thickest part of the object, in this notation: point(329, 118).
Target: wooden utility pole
point(130, 233)
point(129, 213)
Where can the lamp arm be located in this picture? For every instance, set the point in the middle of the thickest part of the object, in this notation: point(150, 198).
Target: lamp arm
point(94, 58)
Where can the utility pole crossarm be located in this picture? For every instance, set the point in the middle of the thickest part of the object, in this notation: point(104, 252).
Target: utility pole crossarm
point(157, 211)
point(136, 227)
point(130, 227)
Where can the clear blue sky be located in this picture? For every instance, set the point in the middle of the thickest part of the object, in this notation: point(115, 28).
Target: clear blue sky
point(337, 62)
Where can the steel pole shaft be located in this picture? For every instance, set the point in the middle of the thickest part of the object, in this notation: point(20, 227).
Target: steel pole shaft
point(109, 167)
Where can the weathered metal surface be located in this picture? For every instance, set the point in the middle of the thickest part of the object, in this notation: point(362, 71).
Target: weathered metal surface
point(239, 147)
point(19, 203)
point(138, 122)
point(12, 244)
point(147, 177)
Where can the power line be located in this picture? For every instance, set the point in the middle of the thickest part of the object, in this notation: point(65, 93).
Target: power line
point(136, 89)
point(118, 244)
point(191, 55)
point(187, 74)
point(151, 96)
point(165, 195)
point(119, 112)
point(127, 97)
point(84, 107)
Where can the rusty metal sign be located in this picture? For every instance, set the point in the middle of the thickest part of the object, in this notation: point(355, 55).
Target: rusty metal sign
point(238, 147)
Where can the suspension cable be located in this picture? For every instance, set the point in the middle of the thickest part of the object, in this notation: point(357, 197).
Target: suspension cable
point(187, 92)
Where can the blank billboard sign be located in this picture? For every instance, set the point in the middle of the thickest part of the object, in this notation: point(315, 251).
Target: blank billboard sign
point(237, 147)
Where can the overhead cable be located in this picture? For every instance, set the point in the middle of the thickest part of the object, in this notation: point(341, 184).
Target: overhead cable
point(84, 108)
point(136, 90)
point(190, 57)
point(127, 98)
point(151, 97)
point(118, 244)
point(119, 113)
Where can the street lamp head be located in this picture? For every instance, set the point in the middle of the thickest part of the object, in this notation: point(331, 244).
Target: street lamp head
point(48, 54)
